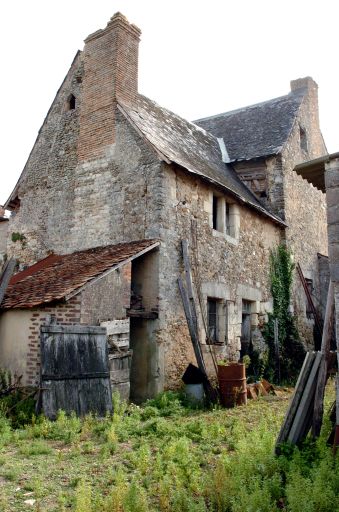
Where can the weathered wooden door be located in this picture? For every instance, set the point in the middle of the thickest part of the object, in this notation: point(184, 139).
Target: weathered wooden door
point(74, 370)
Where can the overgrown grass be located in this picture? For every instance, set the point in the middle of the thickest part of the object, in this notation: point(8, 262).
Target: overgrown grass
point(165, 457)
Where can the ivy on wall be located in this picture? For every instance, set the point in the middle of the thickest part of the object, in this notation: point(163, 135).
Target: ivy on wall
point(283, 364)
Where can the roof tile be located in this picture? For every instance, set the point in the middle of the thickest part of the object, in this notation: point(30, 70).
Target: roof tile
point(257, 130)
point(56, 276)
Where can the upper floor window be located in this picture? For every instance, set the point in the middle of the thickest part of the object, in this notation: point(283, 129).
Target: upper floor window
point(225, 216)
point(303, 138)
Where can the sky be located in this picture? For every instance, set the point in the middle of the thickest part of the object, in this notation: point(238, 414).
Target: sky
point(197, 58)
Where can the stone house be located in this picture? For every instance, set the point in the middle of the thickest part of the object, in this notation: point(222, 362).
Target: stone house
point(110, 167)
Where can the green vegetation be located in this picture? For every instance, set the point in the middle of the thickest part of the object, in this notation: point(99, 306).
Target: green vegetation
point(284, 368)
point(19, 237)
point(165, 456)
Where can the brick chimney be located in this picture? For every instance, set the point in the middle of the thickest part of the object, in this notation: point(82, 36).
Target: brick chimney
point(110, 72)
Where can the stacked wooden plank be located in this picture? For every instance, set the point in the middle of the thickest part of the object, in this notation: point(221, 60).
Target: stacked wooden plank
point(299, 416)
point(261, 388)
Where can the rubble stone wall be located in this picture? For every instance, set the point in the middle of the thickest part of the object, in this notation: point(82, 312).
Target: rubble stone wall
point(3, 241)
point(305, 209)
point(234, 269)
point(107, 298)
point(46, 189)
point(73, 206)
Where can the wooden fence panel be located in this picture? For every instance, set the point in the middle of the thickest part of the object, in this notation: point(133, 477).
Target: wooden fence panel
point(74, 370)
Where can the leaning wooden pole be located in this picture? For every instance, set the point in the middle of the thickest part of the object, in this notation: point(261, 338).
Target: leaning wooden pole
point(5, 277)
point(323, 370)
point(191, 326)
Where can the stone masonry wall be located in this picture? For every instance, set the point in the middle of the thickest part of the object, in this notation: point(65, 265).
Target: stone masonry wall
point(47, 185)
point(107, 298)
point(75, 207)
point(117, 198)
point(233, 270)
point(305, 207)
point(3, 241)
point(332, 195)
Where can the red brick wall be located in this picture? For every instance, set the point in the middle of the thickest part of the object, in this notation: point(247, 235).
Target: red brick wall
point(64, 313)
point(111, 70)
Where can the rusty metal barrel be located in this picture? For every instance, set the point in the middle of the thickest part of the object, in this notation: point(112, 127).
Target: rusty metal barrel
point(232, 384)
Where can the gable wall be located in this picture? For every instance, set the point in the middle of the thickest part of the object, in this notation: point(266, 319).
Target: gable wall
point(305, 212)
point(46, 187)
point(68, 206)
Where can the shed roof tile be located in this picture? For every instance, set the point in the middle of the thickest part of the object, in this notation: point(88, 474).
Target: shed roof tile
point(57, 276)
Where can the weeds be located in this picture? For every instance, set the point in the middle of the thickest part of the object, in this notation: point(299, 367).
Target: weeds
point(167, 457)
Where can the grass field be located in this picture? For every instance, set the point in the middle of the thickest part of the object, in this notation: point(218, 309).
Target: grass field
point(165, 457)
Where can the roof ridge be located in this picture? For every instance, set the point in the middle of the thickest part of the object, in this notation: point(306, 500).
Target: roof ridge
point(254, 105)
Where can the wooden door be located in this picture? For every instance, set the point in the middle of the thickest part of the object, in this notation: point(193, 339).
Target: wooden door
point(74, 370)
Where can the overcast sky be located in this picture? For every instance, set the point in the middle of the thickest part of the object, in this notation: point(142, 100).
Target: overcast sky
point(197, 58)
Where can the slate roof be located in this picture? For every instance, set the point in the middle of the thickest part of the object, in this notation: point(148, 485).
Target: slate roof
point(58, 276)
point(188, 145)
point(257, 130)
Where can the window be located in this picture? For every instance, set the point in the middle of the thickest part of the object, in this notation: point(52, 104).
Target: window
point(71, 102)
point(212, 316)
point(225, 217)
point(303, 139)
point(246, 327)
point(218, 213)
point(216, 320)
point(215, 212)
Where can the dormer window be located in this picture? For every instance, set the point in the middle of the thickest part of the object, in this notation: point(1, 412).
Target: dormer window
point(71, 102)
point(303, 138)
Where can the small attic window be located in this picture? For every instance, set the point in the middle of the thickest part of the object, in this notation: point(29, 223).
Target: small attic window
point(303, 139)
point(71, 102)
